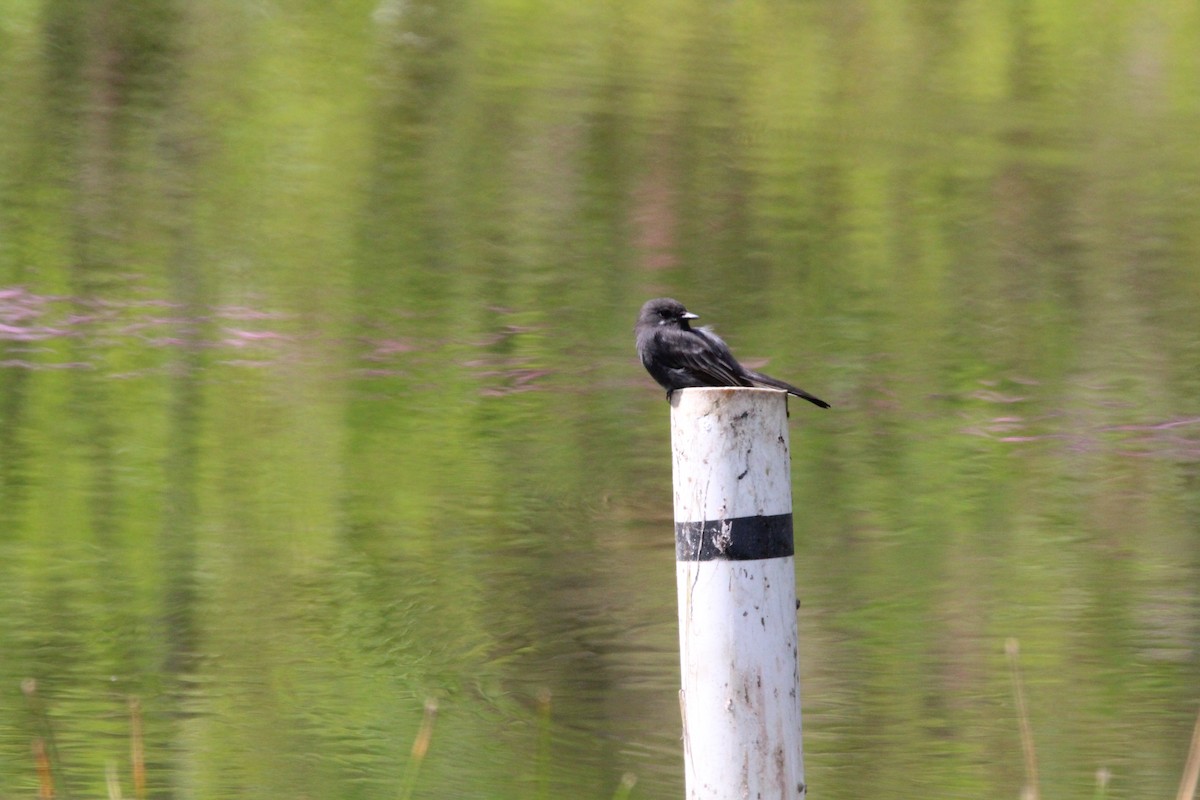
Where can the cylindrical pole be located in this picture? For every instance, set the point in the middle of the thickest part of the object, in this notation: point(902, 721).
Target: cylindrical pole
point(738, 640)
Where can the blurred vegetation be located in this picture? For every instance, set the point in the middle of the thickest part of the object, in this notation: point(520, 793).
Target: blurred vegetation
point(318, 396)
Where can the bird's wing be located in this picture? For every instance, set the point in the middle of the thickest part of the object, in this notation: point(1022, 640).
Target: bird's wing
point(705, 354)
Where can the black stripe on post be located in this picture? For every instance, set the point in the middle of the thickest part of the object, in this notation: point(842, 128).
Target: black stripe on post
point(737, 539)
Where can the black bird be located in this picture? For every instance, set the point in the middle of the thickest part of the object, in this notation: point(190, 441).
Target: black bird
point(678, 356)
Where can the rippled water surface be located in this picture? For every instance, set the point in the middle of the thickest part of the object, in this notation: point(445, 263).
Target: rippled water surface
point(327, 468)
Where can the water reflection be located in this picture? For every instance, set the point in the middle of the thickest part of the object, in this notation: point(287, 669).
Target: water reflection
point(318, 396)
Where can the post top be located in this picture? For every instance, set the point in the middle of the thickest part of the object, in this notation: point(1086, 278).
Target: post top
point(714, 393)
point(730, 453)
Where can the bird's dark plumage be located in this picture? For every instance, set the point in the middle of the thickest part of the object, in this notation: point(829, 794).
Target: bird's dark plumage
point(679, 356)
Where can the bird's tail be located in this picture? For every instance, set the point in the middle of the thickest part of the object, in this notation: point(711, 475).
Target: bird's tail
point(774, 383)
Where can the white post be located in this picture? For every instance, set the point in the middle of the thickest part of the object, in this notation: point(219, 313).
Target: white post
point(738, 640)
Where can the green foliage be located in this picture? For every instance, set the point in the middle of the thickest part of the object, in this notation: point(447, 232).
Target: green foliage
point(318, 396)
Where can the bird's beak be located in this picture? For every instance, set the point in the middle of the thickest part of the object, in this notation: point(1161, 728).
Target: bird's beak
point(690, 315)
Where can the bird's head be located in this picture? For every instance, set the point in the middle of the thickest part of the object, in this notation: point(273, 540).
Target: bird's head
point(665, 311)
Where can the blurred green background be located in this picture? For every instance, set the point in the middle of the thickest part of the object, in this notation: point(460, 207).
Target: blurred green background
point(318, 396)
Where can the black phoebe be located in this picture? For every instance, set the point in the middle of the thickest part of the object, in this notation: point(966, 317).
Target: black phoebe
point(678, 356)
